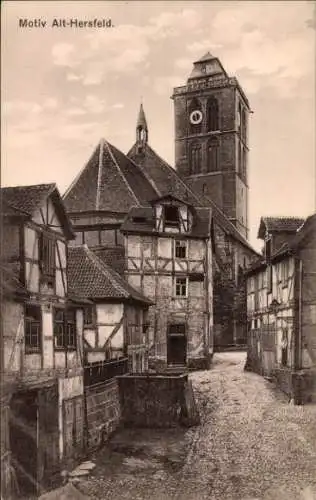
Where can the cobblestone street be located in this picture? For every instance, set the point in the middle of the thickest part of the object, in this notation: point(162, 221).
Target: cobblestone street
point(251, 444)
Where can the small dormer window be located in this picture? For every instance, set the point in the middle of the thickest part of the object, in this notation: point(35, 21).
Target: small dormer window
point(171, 214)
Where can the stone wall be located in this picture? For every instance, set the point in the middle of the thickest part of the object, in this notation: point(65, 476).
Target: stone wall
point(103, 412)
point(154, 400)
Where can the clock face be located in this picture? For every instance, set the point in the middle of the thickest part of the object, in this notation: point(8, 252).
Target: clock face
point(196, 117)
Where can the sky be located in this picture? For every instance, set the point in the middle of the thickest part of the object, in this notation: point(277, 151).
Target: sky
point(65, 88)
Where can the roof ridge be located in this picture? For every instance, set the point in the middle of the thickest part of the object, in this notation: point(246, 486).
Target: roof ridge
point(76, 179)
point(108, 145)
point(97, 201)
point(170, 167)
point(143, 171)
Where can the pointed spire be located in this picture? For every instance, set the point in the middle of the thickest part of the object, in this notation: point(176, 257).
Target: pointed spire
point(207, 57)
point(141, 127)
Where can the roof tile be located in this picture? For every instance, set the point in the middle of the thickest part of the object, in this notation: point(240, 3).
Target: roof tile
point(90, 277)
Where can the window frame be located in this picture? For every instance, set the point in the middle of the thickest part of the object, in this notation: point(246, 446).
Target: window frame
point(179, 246)
point(28, 320)
point(169, 222)
point(213, 155)
point(212, 110)
point(195, 158)
point(178, 287)
point(47, 257)
point(66, 337)
point(91, 309)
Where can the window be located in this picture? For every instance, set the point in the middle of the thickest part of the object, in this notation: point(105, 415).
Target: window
point(239, 118)
point(244, 124)
point(88, 316)
point(33, 328)
point(47, 257)
point(212, 155)
point(176, 329)
point(284, 272)
point(244, 163)
point(240, 158)
point(171, 214)
point(64, 325)
point(181, 249)
point(212, 115)
point(181, 287)
point(71, 329)
point(195, 159)
point(59, 328)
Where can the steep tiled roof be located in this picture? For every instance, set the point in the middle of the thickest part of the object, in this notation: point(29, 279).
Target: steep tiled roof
point(26, 198)
point(167, 181)
point(295, 241)
point(142, 220)
point(112, 256)
point(279, 224)
point(90, 277)
point(109, 181)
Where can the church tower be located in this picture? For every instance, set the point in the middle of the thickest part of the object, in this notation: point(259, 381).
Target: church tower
point(211, 138)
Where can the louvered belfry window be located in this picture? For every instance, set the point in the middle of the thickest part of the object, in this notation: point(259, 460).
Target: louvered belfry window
point(47, 256)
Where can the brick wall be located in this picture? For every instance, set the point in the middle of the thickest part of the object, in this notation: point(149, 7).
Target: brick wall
point(103, 412)
point(152, 400)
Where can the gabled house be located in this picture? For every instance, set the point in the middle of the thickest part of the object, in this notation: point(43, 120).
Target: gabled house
point(168, 248)
point(115, 323)
point(42, 337)
point(281, 297)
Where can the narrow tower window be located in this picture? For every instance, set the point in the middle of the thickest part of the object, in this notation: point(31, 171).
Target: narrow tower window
point(212, 114)
point(244, 124)
point(212, 155)
point(195, 159)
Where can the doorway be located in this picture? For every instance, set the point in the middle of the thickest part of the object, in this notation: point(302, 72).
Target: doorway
point(23, 432)
point(177, 344)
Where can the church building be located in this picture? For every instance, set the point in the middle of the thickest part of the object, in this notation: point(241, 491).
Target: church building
point(142, 210)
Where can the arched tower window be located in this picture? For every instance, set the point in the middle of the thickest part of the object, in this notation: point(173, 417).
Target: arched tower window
point(212, 115)
point(195, 159)
point(244, 163)
point(213, 155)
point(141, 134)
point(243, 124)
point(239, 118)
point(240, 158)
point(195, 117)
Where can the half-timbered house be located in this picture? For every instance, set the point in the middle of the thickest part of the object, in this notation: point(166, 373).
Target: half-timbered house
point(281, 303)
point(168, 247)
point(115, 323)
point(42, 337)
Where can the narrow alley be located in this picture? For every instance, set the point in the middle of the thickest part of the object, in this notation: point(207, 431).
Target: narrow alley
point(252, 444)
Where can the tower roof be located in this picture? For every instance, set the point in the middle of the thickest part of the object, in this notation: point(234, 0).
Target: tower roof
point(207, 57)
point(141, 120)
point(207, 65)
